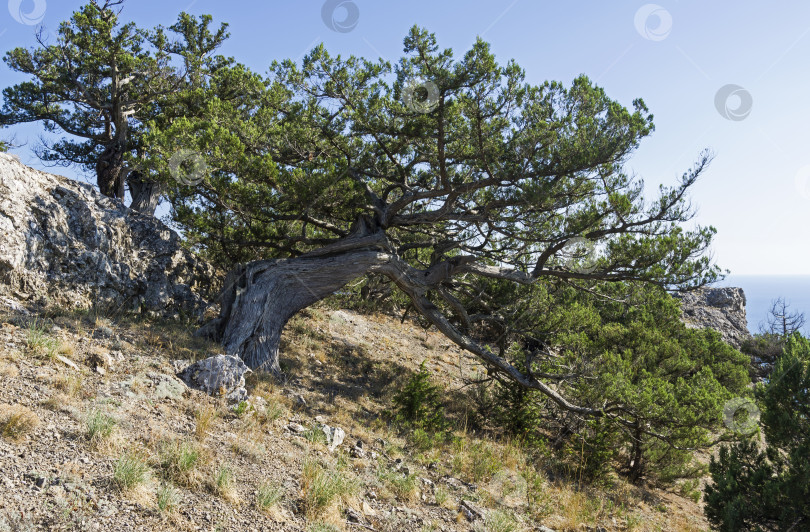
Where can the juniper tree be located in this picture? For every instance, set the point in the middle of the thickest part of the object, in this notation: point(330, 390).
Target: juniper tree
point(435, 173)
point(767, 487)
point(99, 81)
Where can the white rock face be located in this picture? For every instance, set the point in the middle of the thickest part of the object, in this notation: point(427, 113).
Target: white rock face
point(721, 309)
point(63, 241)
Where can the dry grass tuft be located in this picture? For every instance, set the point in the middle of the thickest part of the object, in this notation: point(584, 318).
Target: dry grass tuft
point(222, 483)
point(324, 487)
point(8, 371)
point(204, 418)
point(180, 461)
point(16, 421)
point(71, 385)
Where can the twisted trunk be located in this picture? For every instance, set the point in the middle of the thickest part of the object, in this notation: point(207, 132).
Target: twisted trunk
point(110, 172)
point(260, 297)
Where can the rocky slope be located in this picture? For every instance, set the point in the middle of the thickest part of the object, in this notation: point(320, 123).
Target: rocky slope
point(94, 397)
point(62, 241)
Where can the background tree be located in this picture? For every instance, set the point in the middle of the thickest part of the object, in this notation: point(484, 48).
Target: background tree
point(766, 346)
point(756, 489)
point(340, 168)
point(781, 321)
point(98, 83)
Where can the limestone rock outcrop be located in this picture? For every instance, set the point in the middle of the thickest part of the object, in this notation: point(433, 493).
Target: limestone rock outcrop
point(63, 241)
point(721, 309)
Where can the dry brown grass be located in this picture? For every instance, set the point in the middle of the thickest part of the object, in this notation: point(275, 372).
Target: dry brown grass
point(71, 384)
point(17, 421)
point(204, 418)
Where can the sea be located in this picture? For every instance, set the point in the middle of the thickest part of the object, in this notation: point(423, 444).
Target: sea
point(761, 290)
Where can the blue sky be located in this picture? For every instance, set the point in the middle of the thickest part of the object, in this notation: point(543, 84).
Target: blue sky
point(676, 55)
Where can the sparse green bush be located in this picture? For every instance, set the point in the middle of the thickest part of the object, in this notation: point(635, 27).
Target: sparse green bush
point(315, 435)
point(442, 496)
point(223, 480)
point(38, 339)
point(403, 486)
point(419, 403)
point(242, 408)
point(322, 527)
point(178, 460)
point(497, 521)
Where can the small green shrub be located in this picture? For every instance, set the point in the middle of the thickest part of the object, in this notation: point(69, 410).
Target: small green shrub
point(315, 435)
point(442, 496)
point(38, 340)
point(241, 409)
point(419, 403)
point(223, 480)
point(401, 485)
point(322, 527)
point(498, 521)
point(178, 460)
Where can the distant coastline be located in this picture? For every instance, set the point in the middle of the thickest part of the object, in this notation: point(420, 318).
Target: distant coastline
point(760, 290)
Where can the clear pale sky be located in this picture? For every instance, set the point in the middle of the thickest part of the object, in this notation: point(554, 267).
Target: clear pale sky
point(676, 55)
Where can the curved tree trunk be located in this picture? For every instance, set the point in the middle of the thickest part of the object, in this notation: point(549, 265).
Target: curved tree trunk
point(260, 297)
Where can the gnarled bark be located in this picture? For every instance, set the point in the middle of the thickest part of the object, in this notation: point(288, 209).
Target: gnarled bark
point(264, 295)
point(260, 297)
point(110, 172)
point(145, 194)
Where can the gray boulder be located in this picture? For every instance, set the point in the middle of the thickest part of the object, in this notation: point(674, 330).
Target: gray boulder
point(63, 241)
point(220, 375)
